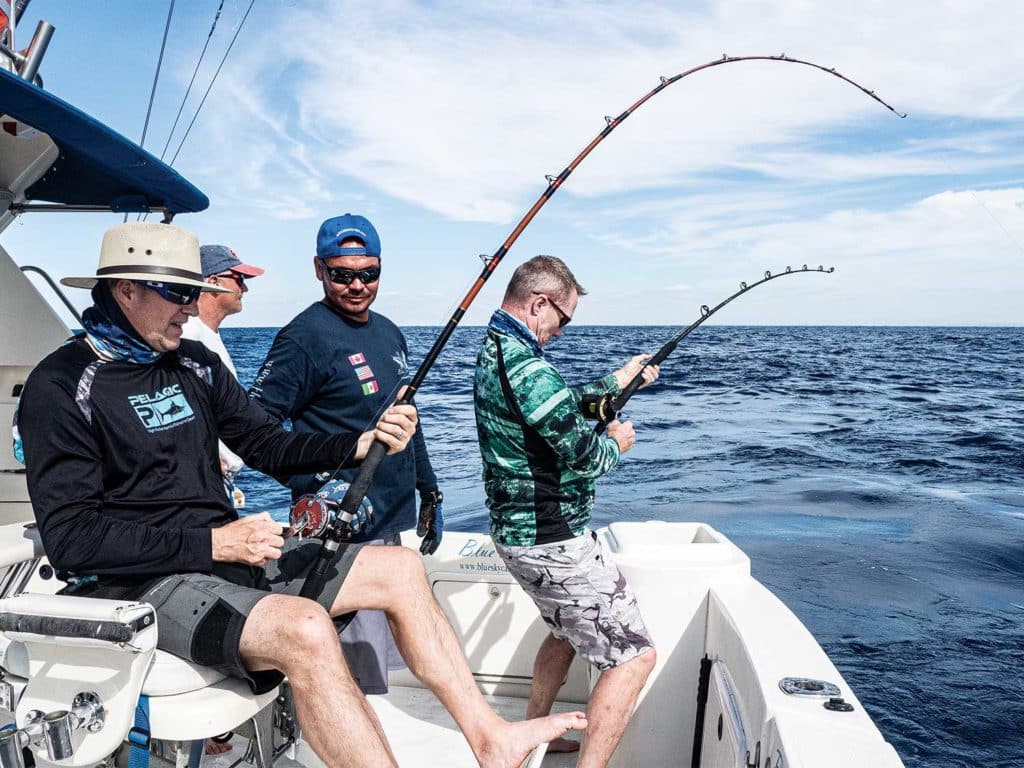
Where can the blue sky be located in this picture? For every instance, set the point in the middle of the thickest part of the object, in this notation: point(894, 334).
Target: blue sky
point(439, 120)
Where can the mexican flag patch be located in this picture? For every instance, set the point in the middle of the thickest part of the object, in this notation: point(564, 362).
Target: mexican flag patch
point(370, 387)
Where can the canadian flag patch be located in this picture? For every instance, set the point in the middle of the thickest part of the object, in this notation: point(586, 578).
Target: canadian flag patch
point(357, 359)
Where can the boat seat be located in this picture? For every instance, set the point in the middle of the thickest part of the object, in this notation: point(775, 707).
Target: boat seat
point(114, 641)
point(168, 675)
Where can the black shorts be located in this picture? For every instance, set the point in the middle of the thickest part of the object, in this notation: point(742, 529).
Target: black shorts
point(200, 616)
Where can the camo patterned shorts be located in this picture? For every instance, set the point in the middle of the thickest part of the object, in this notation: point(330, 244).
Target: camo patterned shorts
point(583, 600)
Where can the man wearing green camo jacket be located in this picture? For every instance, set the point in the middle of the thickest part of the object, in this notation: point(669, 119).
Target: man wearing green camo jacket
point(541, 460)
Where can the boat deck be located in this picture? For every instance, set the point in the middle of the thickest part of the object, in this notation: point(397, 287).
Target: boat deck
point(420, 731)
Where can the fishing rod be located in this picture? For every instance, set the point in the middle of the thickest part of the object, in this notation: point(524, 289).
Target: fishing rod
point(606, 408)
point(339, 527)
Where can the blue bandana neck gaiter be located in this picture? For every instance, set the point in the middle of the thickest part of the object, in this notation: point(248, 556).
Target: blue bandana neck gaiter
point(503, 322)
point(109, 332)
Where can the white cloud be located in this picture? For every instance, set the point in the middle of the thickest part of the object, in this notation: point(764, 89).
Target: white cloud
point(462, 110)
point(952, 258)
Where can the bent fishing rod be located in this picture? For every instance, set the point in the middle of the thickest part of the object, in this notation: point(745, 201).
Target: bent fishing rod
point(606, 408)
point(338, 528)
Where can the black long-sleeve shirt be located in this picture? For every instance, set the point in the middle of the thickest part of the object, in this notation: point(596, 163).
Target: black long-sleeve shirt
point(122, 462)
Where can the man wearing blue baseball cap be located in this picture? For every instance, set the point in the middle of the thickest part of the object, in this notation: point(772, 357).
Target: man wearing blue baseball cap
point(336, 365)
point(221, 267)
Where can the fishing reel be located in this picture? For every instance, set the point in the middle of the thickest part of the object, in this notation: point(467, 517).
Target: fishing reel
point(320, 516)
point(599, 408)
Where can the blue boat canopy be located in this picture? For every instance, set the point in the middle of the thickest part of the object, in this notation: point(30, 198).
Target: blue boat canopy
point(96, 166)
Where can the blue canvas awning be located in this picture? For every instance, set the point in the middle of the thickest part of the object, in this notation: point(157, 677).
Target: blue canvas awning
point(96, 166)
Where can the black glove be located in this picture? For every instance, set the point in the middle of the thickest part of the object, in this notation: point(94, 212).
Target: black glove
point(431, 521)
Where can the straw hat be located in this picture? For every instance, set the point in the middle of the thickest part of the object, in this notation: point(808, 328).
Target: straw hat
point(146, 250)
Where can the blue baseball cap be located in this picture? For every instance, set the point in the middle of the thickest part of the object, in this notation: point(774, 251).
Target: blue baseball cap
point(217, 259)
point(334, 232)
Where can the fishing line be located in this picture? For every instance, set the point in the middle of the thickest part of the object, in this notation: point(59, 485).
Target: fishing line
point(338, 529)
point(606, 408)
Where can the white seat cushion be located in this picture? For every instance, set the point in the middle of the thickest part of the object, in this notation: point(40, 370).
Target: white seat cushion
point(171, 675)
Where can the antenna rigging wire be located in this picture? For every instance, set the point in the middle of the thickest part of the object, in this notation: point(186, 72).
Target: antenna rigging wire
point(195, 72)
point(156, 79)
point(210, 87)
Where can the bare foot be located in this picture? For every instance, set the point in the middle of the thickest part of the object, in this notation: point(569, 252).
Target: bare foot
point(510, 745)
point(216, 747)
point(563, 745)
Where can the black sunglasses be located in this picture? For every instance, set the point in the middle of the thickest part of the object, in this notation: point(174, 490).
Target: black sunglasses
point(175, 293)
point(343, 276)
point(563, 318)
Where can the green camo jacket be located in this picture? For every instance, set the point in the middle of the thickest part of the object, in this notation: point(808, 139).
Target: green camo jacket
point(540, 464)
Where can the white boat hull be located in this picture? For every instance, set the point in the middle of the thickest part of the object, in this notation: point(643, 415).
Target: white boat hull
point(716, 629)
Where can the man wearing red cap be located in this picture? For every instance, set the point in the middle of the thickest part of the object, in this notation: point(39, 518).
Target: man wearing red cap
point(222, 268)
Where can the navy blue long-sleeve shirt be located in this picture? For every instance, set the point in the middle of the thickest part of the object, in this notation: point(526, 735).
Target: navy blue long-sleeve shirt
point(122, 462)
point(328, 373)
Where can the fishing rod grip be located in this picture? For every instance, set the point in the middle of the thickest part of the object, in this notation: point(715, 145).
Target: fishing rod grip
point(314, 583)
point(361, 485)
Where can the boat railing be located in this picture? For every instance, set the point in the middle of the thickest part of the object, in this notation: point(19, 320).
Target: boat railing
point(56, 289)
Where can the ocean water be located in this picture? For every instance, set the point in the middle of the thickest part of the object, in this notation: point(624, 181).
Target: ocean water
point(875, 477)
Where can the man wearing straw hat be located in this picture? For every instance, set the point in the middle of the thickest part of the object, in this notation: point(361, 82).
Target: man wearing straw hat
point(120, 429)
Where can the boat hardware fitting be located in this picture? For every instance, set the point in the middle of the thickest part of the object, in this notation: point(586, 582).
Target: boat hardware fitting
point(806, 686)
point(53, 731)
point(838, 704)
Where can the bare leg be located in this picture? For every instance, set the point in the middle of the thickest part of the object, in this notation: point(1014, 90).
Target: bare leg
point(549, 670)
point(392, 579)
point(611, 704)
point(297, 636)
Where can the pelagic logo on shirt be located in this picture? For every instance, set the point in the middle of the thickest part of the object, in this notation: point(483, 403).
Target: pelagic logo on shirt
point(164, 409)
